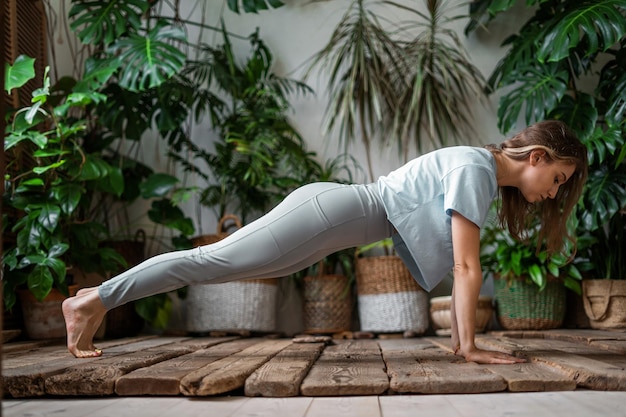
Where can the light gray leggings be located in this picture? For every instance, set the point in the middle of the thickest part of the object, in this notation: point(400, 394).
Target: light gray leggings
point(312, 222)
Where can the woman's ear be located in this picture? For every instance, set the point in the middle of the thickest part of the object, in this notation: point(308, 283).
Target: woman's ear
point(536, 156)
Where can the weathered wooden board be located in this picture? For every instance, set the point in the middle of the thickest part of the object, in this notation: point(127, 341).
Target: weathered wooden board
point(28, 379)
point(347, 368)
point(164, 378)
point(587, 372)
point(425, 368)
point(559, 359)
point(528, 377)
point(282, 375)
point(230, 373)
point(45, 352)
point(99, 377)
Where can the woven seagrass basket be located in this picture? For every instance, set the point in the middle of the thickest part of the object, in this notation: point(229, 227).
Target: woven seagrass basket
point(389, 299)
point(232, 306)
point(327, 304)
point(521, 306)
point(604, 301)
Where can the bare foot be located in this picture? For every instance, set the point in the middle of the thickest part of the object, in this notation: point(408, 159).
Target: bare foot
point(83, 315)
point(85, 291)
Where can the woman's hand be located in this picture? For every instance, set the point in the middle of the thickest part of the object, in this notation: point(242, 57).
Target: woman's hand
point(489, 356)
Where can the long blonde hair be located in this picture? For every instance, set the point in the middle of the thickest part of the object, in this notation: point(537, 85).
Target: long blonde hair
point(515, 213)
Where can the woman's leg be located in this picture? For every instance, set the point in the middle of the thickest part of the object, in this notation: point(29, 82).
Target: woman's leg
point(312, 222)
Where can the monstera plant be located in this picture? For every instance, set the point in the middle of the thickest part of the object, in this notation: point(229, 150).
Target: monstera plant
point(567, 62)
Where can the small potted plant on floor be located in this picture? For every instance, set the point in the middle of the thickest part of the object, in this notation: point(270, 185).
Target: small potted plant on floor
point(50, 196)
point(529, 285)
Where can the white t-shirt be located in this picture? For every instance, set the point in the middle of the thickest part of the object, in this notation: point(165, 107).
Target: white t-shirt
point(420, 196)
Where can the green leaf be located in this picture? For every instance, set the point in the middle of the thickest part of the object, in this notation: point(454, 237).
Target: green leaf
point(600, 24)
point(49, 216)
point(163, 212)
point(539, 91)
point(41, 170)
point(157, 185)
point(148, 61)
point(580, 114)
point(40, 282)
point(253, 6)
point(18, 74)
point(58, 266)
point(57, 250)
point(93, 168)
point(155, 309)
point(101, 22)
point(537, 276)
point(68, 195)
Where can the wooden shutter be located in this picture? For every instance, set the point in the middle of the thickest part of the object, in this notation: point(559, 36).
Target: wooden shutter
point(25, 34)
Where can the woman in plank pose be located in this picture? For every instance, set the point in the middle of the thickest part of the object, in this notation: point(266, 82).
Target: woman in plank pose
point(433, 208)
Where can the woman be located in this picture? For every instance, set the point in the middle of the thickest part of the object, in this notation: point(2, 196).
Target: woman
point(432, 207)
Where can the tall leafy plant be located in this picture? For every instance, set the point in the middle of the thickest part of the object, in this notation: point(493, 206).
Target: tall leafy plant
point(542, 76)
point(53, 196)
point(387, 81)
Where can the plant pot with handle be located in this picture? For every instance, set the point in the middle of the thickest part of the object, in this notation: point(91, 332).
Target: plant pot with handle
point(44, 319)
point(605, 303)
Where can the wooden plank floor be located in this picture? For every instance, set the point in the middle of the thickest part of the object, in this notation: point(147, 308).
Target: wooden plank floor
point(558, 360)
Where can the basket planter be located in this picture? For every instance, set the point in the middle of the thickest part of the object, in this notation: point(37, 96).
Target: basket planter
point(441, 316)
point(522, 306)
point(605, 303)
point(327, 304)
point(389, 299)
point(44, 319)
point(232, 306)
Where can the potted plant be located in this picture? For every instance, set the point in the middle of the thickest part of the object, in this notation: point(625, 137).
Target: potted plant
point(549, 62)
point(410, 83)
point(51, 197)
point(530, 286)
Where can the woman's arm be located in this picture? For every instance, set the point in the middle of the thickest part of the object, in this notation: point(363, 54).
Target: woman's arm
point(465, 292)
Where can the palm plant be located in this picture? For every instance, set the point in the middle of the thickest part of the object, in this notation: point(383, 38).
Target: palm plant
point(562, 43)
point(439, 86)
point(390, 83)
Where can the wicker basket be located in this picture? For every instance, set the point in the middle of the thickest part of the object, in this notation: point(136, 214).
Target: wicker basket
point(605, 303)
point(327, 304)
point(232, 306)
point(389, 299)
point(221, 232)
point(441, 318)
point(521, 306)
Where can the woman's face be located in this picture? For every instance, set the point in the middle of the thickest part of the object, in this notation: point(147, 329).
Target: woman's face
point(542, 179)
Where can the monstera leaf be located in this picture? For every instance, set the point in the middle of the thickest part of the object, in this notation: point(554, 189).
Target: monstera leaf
point(149, 60)
point(253, 6)
point(102, 22)
point(540, 90)
point(599, 24)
